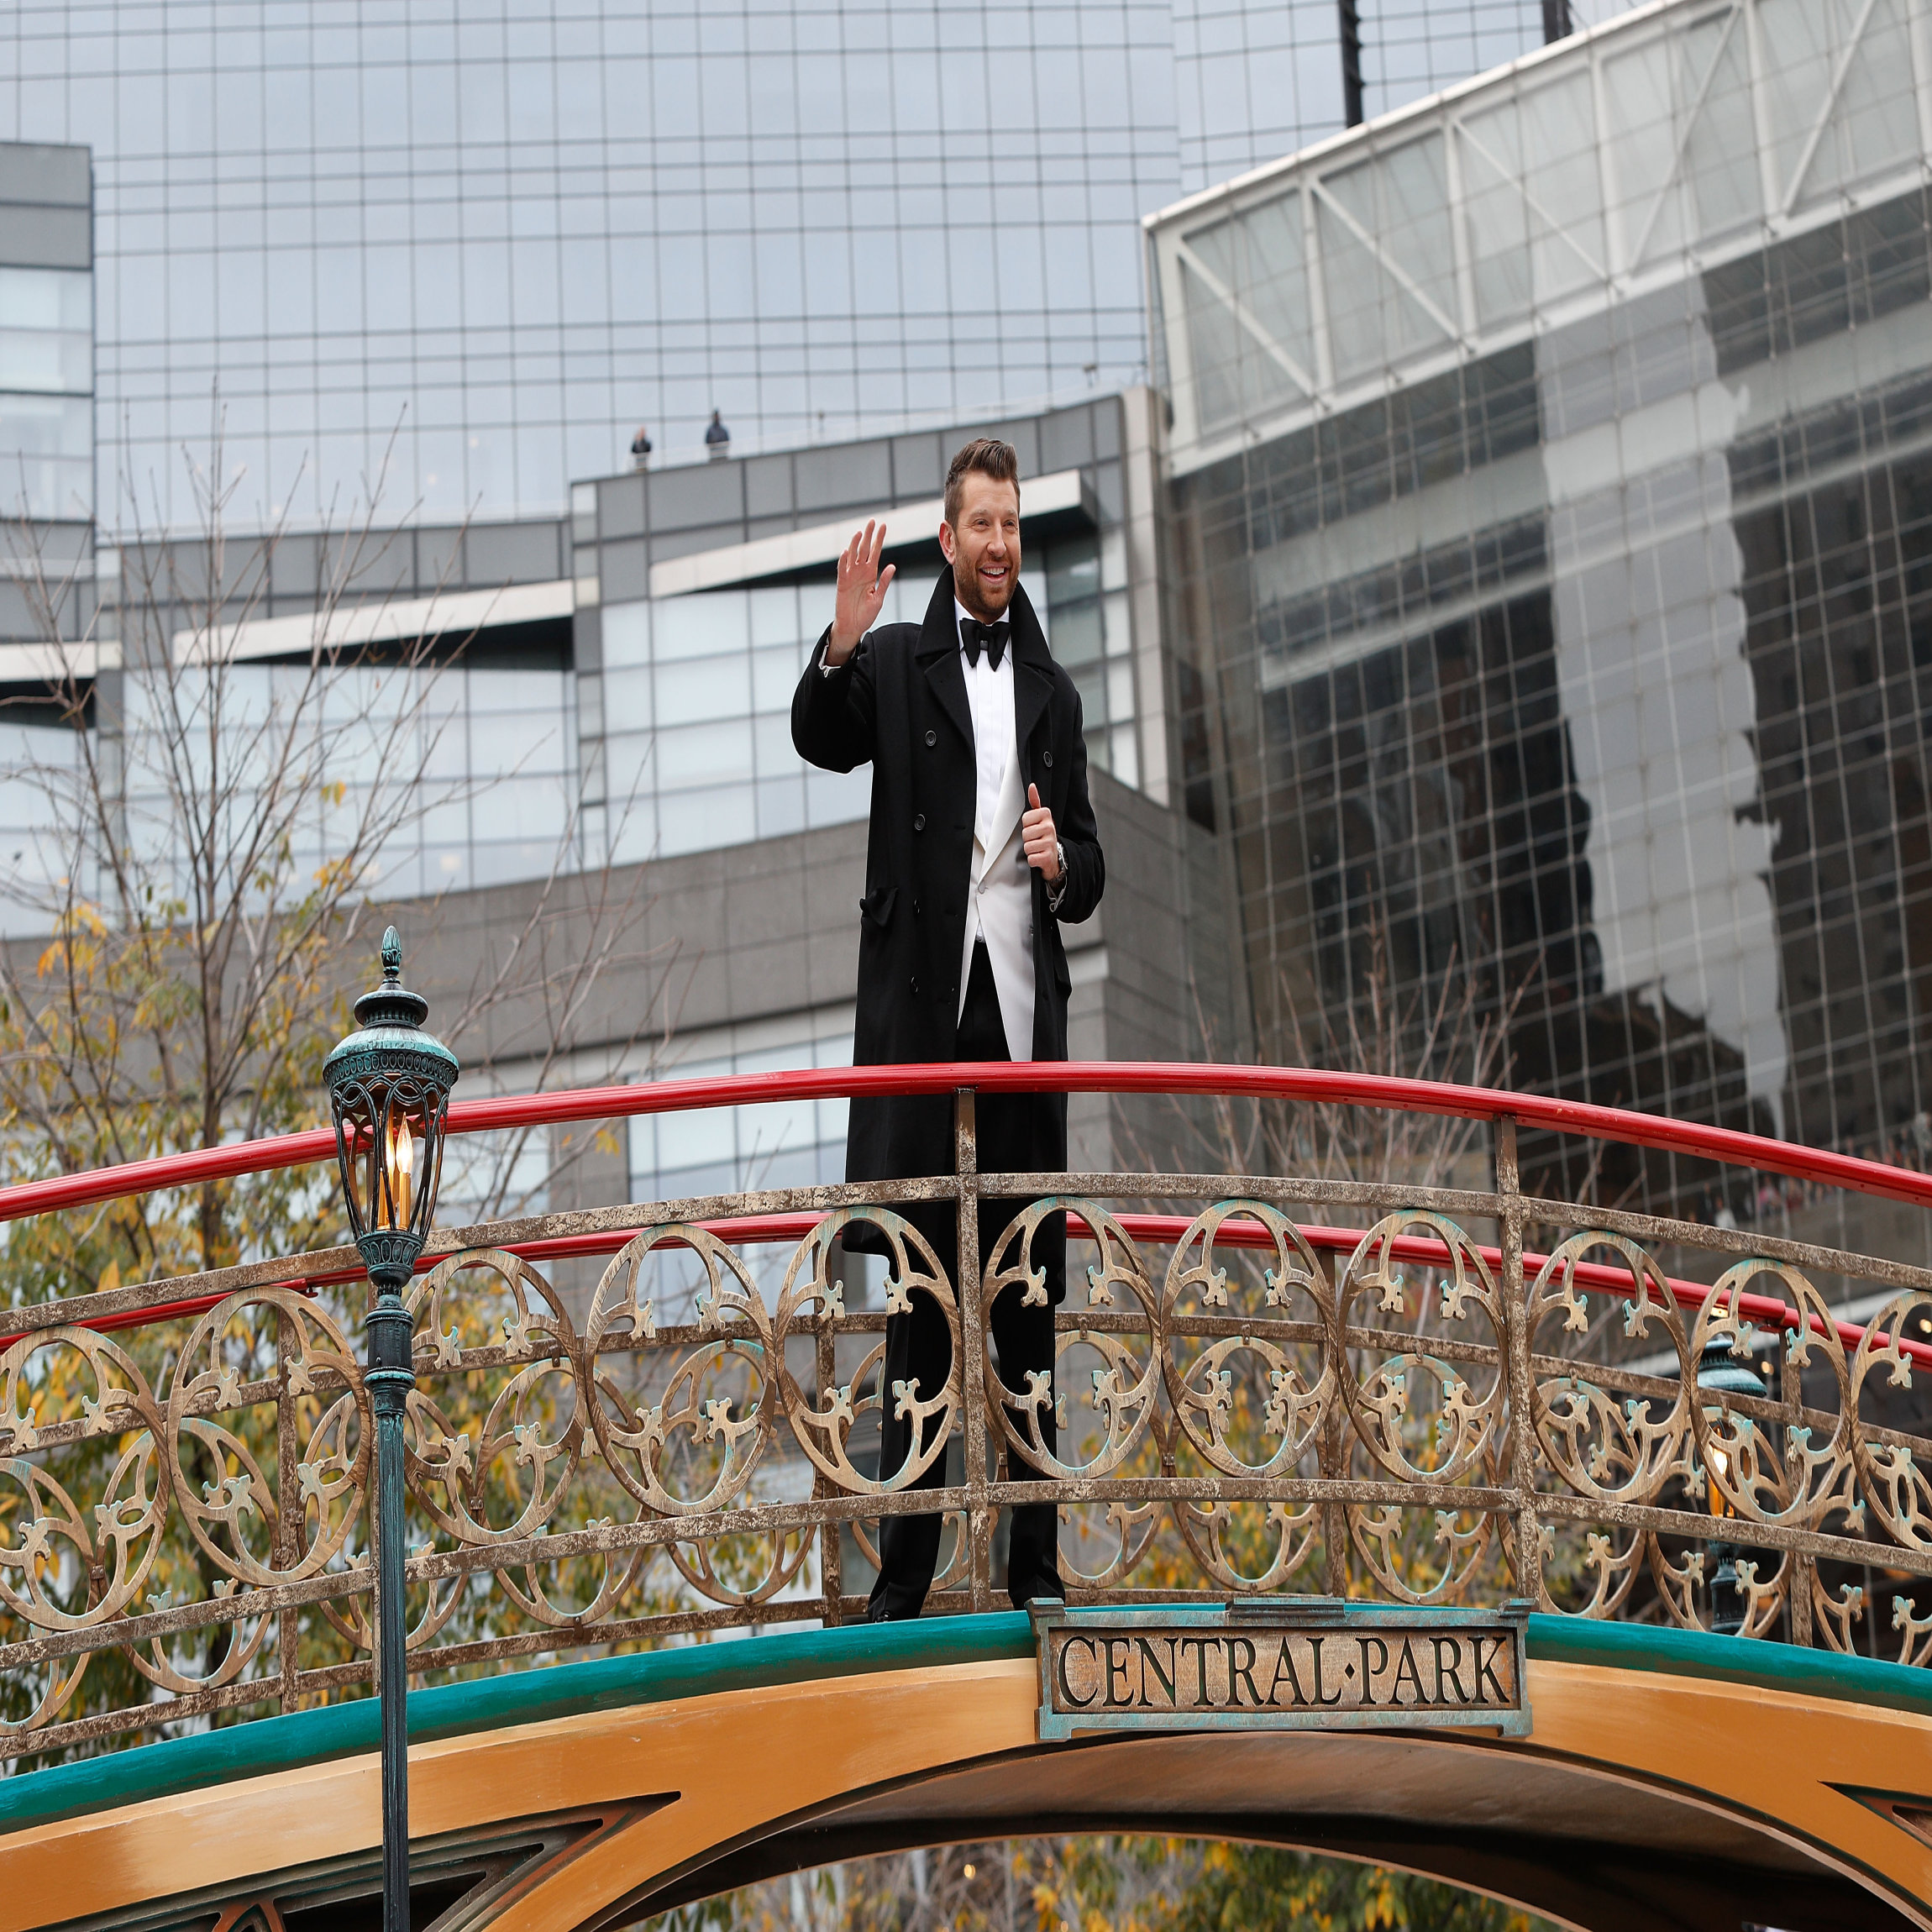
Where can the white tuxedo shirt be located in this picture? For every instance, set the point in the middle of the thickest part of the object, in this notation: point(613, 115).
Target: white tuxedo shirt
point(999, 886)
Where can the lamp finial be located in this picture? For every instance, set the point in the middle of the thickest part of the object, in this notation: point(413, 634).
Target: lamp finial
point(392, 958)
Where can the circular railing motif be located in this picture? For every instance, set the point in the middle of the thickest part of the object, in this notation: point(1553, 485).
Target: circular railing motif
point(692, 1450)
point(230, 1502)
point(497, 1471)
point(1119, 1392)
point(110, 1535)
point(824, 1432)
point(1598, 1443)
point(1272, 1338)
point(1374, 1294)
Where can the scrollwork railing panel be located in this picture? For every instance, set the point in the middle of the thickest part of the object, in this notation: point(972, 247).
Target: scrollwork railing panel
point(1245, 1400)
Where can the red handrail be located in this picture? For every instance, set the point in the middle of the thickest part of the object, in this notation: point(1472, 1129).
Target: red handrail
point(1725, 1145)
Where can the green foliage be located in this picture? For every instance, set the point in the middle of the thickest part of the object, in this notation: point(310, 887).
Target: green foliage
point(1101, 1884)
point(106, 1056)
point(1256, 1889)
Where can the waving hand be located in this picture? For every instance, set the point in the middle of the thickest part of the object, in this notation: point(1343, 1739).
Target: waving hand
point(862, 588)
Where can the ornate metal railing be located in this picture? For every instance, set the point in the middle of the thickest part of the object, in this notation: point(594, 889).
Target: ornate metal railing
point(1464, 1395)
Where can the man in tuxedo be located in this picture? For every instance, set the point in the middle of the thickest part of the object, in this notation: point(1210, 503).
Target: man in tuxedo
point(982, 843)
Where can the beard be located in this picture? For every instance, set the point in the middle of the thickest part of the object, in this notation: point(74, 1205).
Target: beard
point(971, 593)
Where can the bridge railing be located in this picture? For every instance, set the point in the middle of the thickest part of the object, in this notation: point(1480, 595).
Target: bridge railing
point(1264, 1384)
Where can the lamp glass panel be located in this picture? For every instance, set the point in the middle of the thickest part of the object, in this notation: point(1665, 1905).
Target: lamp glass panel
point(392, 1165)
point(406, 1145)
point(352, 1125)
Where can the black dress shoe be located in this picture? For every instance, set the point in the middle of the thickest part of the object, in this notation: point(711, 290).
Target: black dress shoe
point(1044, 1590)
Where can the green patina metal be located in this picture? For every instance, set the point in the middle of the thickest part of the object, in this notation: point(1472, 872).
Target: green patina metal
point(1753, 1661)
point(382, 1079)
point(145, 1772)
point(515, 1697)
point(389, 1035)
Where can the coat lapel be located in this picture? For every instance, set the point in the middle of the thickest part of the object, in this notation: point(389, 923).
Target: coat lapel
point(1006, 813)
point(937, 653)
point(1032, 673)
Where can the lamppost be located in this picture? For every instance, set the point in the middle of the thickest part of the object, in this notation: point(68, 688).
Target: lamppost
point(389, 1087)
point(1720, 1373)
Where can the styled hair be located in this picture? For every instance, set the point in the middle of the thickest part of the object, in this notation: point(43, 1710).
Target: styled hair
point(989, 456)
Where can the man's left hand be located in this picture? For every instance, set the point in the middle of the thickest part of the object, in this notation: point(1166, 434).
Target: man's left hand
point(1037, 834)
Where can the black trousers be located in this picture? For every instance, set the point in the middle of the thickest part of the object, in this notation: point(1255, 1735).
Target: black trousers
point(918, 1344)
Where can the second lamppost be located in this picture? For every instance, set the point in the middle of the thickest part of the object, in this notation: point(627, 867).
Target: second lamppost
point(1720, 1373)
point(389, 1087)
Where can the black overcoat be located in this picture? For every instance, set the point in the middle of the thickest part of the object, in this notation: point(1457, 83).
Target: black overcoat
point(899, 702)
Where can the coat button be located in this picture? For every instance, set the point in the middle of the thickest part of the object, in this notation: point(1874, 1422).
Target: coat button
point(931, 738)
point(917, 909)
point(919, 822)
point(1049, 759)
point(915, 982)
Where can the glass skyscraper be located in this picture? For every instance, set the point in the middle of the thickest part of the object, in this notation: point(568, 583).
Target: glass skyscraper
point(1551, 512)
point(460, 254)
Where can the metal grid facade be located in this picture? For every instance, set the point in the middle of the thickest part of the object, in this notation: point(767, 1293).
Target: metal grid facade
point(462, 254)
point(46, 335)
point(1551, 506)
point(1413, 48)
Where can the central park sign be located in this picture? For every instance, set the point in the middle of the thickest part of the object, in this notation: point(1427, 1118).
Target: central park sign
point(1296, 1663)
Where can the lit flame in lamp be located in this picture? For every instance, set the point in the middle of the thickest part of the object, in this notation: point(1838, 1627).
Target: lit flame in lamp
point(398, 1163)
point(1720, 1465)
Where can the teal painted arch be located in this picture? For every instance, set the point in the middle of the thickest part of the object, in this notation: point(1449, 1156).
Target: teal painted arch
point(265, 1746)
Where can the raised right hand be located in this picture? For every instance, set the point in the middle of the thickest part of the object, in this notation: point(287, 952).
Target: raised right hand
point(862, 588)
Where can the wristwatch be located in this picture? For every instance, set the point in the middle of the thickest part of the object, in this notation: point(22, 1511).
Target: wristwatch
point(1058, 890)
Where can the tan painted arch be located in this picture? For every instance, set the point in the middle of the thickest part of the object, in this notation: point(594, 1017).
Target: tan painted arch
point(1634, 1770)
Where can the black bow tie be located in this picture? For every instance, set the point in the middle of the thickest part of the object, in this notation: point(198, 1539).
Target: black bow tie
point(993, 637)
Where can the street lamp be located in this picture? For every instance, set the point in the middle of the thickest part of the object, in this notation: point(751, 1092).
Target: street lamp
point(1720, 1373)
point(389, 1087)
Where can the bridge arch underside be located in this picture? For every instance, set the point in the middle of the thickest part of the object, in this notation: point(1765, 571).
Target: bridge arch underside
point(1643, 1799)
point(1611, 1854)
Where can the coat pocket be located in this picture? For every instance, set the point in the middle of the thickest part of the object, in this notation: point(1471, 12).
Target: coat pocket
point(876, 906)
